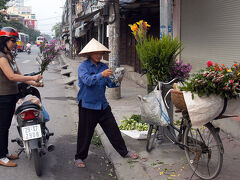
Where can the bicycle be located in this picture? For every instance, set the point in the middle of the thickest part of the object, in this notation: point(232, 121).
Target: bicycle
point(203, 146)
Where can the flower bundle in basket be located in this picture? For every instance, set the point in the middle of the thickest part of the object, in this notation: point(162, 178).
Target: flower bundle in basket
point(206, 92)
point(215, 79)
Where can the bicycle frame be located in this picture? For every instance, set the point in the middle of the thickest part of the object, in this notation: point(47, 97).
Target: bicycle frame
point(192, 141)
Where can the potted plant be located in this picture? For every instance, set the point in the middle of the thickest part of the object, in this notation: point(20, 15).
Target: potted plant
point(157, 55)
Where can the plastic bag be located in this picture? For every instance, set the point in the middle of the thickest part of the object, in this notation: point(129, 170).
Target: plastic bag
point(153, 109)
point(117, 75)
point(46, 116)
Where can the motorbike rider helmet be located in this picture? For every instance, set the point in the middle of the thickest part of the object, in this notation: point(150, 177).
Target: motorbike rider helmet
point(9, 32)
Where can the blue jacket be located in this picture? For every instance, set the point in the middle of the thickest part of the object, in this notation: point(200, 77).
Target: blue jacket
point(93, 85)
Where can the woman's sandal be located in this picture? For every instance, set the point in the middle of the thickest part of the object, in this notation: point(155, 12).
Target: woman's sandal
point(7, 163)
point(79, 163)
point(131, 155)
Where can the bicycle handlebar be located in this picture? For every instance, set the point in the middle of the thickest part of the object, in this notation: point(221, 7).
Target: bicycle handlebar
point(172, 81)
point(176, 79)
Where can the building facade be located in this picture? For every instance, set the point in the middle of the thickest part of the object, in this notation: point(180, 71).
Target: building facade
point(26, 13)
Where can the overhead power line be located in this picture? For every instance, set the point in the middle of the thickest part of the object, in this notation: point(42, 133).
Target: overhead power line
point(49, 18)
point(46, 24)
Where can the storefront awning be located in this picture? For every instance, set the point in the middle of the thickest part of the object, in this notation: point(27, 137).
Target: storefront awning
point(87, 17)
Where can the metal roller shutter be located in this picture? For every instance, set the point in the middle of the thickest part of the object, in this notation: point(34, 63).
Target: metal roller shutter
point(210, 30)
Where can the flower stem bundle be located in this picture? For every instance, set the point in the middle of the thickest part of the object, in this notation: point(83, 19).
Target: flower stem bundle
point(49, 52)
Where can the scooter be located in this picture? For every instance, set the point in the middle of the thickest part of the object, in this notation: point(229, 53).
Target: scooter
point(34, 135)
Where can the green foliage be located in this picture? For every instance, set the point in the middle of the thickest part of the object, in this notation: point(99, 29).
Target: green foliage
point(46, 36)
point(3, 4)
point(56, 29)
point(132, 123)
point(158, 56)
point(96, 140)
point(2, 16)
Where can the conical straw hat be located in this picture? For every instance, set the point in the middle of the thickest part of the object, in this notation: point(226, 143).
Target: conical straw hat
point(93, 46)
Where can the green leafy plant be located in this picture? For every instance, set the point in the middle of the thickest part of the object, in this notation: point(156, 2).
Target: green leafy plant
point(132, 123)
point(157, 55)
point(215, 79)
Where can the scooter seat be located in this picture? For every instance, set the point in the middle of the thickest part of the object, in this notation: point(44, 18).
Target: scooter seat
point(27, 105)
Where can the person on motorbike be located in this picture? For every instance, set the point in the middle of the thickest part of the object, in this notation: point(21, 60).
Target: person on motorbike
point(28, 46)
point(9, 76)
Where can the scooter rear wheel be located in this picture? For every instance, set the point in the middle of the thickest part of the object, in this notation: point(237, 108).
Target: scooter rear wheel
point(37, 161)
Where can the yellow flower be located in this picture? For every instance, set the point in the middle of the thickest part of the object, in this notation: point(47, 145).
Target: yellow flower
point(147, 24)
point(139, 30)
point(229, 70)
point(134, 27)
point(140, 22)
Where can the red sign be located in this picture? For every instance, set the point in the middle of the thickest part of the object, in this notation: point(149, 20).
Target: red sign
point(30, 23)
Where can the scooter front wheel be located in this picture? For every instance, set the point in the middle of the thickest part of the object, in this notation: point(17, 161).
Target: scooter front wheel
point(37, 161)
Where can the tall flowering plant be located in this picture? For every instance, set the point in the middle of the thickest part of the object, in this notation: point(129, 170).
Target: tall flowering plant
point(48, 54)
point(139, 30)
point(156, 55)
point(216, 79)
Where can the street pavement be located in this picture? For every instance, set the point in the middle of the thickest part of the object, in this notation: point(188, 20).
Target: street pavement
point(166, 160)
point(60, 103)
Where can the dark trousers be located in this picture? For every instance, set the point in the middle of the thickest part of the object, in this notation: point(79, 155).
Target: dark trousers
point(88, 120)
point(7, 108)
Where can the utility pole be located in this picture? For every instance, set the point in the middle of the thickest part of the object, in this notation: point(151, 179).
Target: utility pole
point(70, 28)
point(113, 41)
point(166, 17)
point(166, 22)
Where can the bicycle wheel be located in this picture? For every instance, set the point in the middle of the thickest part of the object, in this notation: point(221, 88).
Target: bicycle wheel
point(151, 137)
point(204, 151)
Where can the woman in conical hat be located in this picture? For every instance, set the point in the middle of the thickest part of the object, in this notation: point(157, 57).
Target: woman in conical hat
point(93, 46)
point(93, 77)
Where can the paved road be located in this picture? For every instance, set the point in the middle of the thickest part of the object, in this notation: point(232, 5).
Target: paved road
point(60, 103)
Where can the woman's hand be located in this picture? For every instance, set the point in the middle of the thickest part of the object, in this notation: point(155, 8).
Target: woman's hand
point(107, 73)
point(37, 78)
point(38, 84)
point(34, 83)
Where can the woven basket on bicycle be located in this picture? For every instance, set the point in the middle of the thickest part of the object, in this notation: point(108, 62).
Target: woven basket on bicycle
point(178, 99)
